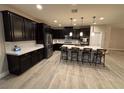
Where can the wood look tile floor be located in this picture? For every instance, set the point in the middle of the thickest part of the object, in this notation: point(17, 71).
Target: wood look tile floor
point(51, 73)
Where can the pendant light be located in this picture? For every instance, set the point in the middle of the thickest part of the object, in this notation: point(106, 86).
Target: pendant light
point(70, 34)
point(94, 19)
point(81, 33)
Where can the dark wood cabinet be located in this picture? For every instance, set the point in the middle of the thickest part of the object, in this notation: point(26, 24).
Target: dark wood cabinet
point(29, 29)
point(18, 28)
point(19, 64)
point(13, 26)
point(40, 54)
point(58, 33)
point(57, 47)
point(41, 31)
point(25, 62)
point(67, 30)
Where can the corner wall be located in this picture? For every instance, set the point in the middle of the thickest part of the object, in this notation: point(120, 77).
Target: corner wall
point(3, 60)
point(116, 38)
point(102, 29)
point(112, 37)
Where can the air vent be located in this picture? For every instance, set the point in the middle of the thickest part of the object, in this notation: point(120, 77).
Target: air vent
point(74, 10)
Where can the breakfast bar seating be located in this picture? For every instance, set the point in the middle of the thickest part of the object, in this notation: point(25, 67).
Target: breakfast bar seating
point(64, 53)
point(74, 53)
point(99, 56)
point(89, 54)
point(86, 55)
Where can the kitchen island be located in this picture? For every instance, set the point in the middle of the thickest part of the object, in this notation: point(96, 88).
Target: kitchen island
point(81, 47)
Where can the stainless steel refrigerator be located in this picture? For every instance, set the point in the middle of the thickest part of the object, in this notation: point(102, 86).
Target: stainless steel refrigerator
point(48, 45)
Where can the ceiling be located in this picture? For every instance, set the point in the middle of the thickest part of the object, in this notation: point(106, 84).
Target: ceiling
point(113, 14)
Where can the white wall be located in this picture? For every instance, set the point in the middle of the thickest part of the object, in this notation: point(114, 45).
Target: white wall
point(116, 38)
point(112, 37)
point(102, 29)
point(3, 60)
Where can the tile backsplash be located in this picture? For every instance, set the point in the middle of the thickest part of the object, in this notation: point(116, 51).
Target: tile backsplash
point(64, 41)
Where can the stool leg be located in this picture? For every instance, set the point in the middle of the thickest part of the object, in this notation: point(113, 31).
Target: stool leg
point(90, 59)
point(96, 60)
point(82, 58)
point(66, 56)
point(71, 56)
point(94, 57)
point(103, 61)
point(77, 56)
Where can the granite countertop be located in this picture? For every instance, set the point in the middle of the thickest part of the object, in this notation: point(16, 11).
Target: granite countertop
point(24, 50)
point(82, 47)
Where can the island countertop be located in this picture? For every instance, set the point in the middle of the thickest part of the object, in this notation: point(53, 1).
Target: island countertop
point(82, 47)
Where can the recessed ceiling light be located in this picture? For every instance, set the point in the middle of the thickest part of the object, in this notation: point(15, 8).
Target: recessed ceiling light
point(60, 25)
point(39, 7)
point(74, 24)
point(74, 20)
point(55, 21)
point(101, 18)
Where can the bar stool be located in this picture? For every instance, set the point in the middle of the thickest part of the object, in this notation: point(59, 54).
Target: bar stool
point(99, 55)
point(64, 53)
point(86, 55)
point(74, 53)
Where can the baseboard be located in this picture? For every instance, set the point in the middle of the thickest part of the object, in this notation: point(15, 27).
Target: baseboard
point(114, 49)
point(4, 74)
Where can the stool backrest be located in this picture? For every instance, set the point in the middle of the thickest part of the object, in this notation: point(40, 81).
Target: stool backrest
point(74, 49)
point(87, 50)
point(64, 49)
point(101, 51)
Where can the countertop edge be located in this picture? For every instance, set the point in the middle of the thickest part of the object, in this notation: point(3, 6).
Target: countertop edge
point(16, 54)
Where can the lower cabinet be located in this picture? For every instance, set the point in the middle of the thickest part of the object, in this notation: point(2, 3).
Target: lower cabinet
point(25, 62)
point(37, 56)
point(57, 47)
point(19, 64)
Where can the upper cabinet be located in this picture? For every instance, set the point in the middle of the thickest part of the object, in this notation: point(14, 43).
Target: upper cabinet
point(18, 28)
point(29, 29)
point(41, 31)
point(60, 33)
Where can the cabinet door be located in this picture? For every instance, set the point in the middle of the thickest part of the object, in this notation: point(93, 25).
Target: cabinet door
point(25, 62)
point(39, 33)
point(34, 58)
point(67, 30)
point(14, 64)
point(26, 29)
point(29, 29)
point(17, 27)
point(7, 26)
point(33, 30)
point(40, 54)
point(76, 34)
